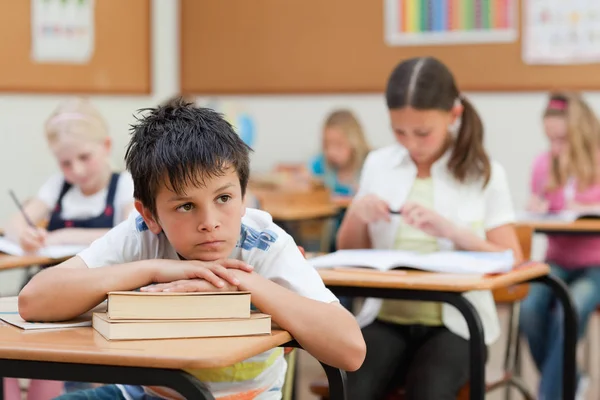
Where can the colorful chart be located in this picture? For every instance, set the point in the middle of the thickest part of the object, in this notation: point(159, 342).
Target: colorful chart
point(412, 22)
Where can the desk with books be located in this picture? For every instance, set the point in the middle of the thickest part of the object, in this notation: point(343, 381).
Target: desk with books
point(82, 354)
point(448, 288)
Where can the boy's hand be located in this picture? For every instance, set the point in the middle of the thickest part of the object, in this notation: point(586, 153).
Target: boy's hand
point(32, 239)
point(214, 272)
point(188, 285)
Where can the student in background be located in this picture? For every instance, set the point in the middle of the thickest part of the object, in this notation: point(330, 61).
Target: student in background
point(81, 203)
point(344, 151)
point(450, 196)
point(567, 177)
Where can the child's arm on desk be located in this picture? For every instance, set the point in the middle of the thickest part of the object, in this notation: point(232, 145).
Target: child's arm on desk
point(71, 288)
point(326, 330)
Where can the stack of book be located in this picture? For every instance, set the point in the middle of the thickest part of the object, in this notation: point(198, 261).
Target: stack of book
point(159, 315)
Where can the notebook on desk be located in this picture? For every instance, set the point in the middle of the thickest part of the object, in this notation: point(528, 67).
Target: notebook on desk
point(560, 216)
point(457, 262)
point(62, 251)
point(9, 313)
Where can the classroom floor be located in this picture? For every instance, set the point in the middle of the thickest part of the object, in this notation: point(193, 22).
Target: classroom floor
point(309, 369)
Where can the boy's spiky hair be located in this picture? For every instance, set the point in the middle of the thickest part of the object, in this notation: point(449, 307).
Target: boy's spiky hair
point(179, 144)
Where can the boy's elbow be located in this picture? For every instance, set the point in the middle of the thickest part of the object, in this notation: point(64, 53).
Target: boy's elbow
point(31, 301)
point(356, 351)
point(26, 304)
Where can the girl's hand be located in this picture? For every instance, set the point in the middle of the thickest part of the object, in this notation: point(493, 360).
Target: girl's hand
point(427, 221)
point(538, 204)
point(32, 239)
point(370, 208)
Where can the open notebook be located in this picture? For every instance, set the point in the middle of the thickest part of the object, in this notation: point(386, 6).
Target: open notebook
point(458, 262)
point(8, 247)
point(9, 313)
point(561, 216)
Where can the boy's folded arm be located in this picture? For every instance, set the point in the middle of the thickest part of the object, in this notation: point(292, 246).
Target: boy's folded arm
point(71, 288)
point(326, 330)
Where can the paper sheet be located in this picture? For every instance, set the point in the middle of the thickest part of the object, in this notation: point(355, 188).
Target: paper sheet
point(62, 251)
point(458, 262)
point(62, 31)
point(561, 32)
point(9, 313)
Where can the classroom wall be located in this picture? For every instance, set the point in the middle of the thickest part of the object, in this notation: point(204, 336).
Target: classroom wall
point(288, 126)
point(24, 160)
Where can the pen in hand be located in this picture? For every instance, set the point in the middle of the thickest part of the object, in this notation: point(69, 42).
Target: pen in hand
point(18, 204)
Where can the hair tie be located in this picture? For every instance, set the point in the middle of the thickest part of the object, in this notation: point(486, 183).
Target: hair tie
point(67, 116)
point(557, 104)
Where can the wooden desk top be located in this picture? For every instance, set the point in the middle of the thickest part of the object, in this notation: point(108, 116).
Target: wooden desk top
point(580, 226)
point(10, 262)
point(420, 280)
point(282, 213)
point(341, 201)
point(85, 345)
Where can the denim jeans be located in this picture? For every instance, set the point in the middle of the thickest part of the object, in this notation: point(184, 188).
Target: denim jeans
point(107, 392)
point(541, 320)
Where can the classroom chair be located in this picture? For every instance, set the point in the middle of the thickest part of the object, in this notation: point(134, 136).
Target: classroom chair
point(509, 374)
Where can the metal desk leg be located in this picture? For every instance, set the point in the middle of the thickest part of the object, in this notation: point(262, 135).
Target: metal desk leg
point(476, 343)
point(335, 377)
point(477, 347)
point(180, 381)
point(337, 382)
point(570, 334)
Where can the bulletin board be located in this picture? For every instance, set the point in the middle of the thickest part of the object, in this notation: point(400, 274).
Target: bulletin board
point(120, 63)
point(336, 46)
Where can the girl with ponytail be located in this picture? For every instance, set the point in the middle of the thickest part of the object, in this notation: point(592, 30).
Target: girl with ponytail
point(435, 189)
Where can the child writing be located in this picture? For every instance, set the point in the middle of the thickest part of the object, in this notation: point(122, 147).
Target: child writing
point(567, 177)
point(80, 204)
point(450, 196)
point(193, 233)
point(344, 151)
point(84, 200)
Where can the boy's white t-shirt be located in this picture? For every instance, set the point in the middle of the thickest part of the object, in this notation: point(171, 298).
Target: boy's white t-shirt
point(76, 205)
point(262, 244)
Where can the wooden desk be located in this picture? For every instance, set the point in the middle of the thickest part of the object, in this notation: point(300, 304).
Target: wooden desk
point(10, 262)
point(421, 280)
point(579, 227)
point(448, 288)
point(82, 354)
point(302, 213)
point(86, 346)
point(342, 202)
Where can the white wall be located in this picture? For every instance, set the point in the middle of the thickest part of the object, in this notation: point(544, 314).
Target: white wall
point(288, 126)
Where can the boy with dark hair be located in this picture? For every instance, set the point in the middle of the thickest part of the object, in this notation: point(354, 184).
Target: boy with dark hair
point(191, 233)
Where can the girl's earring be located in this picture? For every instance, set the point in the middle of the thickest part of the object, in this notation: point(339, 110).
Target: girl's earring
point(453, 128)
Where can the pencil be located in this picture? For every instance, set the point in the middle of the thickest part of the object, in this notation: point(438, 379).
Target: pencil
point(396, 212)
point(18, 204)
